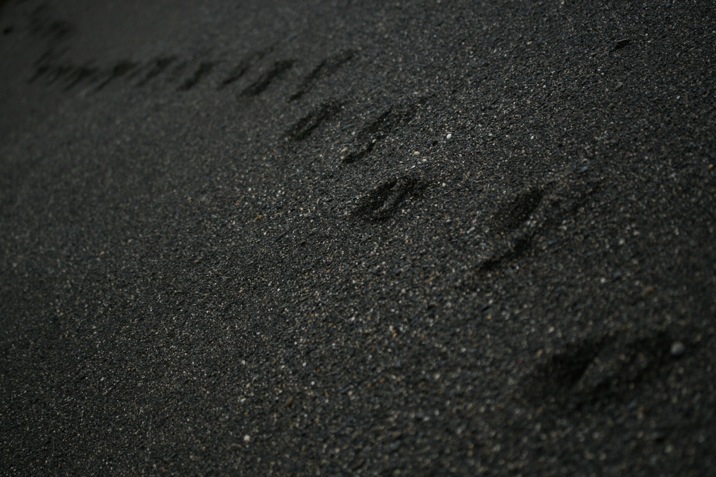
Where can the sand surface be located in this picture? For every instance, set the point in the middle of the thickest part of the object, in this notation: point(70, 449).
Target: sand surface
point(343, 237)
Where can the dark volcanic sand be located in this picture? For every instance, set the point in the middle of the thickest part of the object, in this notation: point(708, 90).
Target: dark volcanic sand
point(371, 237)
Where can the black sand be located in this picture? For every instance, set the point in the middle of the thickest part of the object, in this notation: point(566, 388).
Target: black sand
point(343, 237)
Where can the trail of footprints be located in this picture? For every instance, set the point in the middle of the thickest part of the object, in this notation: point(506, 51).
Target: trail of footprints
point(378, 205)
point(383, 201)
point(583, 374)
point(513, 225)
point(52, 69)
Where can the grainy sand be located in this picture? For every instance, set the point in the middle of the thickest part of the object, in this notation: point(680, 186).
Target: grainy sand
point(342, 237)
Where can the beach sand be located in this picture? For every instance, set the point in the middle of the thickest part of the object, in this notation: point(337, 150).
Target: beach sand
point(373, 238)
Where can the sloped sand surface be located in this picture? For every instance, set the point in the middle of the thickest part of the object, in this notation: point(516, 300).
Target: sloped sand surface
point(372, 238)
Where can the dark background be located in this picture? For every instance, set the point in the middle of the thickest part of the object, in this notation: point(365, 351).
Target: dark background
point(336, 237)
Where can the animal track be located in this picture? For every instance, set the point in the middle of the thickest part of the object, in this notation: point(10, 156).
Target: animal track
point(81, 74)
point(379, 129)
point(243, 67)
point(517, 223)
point(515, 213)
point(53, 73)
point(510, 221)
point(306, 125)
point(263, 81)
point(73, 75)
point(122, 68)
point(383, 201)
point(325, 68)
point(593, 370)
point(157, 68)
point(204, 69)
